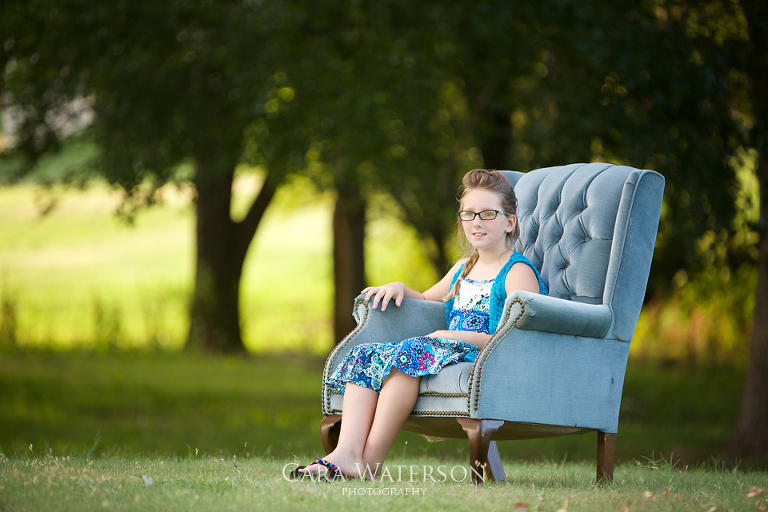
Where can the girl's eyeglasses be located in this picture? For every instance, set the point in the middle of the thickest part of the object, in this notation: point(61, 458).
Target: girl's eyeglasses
point(467, 215)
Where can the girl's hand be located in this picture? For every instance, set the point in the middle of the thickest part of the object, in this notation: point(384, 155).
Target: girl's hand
point(384, 293)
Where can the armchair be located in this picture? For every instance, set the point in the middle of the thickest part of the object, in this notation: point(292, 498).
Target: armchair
point(555, 365)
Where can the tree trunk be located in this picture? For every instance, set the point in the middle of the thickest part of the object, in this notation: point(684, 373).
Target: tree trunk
point(750, 439)
point(496, 143)
point(440, 260)
point(222, 245)
point(348, 257)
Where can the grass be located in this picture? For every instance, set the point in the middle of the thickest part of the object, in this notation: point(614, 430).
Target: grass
point(78, 277)
point(203, 482)
point(131, 404)
point(80, 429)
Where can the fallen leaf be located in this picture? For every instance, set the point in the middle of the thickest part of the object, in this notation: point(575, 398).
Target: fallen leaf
point(626, 506)
point(520, 507)
point(755, 491)
point(647, 495)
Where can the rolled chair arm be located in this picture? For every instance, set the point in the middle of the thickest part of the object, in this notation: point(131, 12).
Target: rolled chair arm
point(413, 318)
point(560, 316)
point(549, 363)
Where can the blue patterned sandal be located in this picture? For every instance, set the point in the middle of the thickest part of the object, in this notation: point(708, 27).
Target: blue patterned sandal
point(333, 472)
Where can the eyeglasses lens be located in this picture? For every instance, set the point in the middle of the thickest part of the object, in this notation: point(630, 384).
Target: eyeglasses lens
point(467, 215)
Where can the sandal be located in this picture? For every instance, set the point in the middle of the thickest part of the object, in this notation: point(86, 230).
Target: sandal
point(333, 472)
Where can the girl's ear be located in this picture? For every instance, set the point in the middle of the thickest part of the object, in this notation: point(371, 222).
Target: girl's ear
point(512, 223)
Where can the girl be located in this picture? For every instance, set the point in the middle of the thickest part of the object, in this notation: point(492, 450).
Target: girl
point(380, 382)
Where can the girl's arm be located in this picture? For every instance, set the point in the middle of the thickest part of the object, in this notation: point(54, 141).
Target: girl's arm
point(477, 339)
point(521, 277)
point(398, 290)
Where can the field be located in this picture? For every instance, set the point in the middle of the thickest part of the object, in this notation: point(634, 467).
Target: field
point(80, 430)
point(80, 277)
point(174, 404)
point(205, 483)
point(95, 395)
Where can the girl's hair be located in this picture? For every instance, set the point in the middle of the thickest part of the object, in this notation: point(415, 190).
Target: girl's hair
point(493, 181)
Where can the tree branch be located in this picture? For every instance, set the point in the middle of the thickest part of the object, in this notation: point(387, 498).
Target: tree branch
point(248, 226)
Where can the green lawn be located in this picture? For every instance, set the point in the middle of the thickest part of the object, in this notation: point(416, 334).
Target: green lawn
point(82, 420)
point(80, 277)
point(79, 430)
point(202, 482)
point(174, 404)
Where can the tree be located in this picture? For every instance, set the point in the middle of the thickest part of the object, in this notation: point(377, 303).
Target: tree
point(404, 98)
point(170, 84)
point(750, 438)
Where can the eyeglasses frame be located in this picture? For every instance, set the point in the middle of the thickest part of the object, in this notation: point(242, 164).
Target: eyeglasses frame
point(477, 214)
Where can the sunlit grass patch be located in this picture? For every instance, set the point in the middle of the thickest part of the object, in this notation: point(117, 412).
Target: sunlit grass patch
point(80, 277)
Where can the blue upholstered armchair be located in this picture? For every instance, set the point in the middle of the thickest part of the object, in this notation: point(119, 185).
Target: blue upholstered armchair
point(556, 364)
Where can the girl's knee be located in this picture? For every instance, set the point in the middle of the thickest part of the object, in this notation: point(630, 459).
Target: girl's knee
point(396, 374)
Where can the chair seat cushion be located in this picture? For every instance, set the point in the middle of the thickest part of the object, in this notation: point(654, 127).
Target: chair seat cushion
point(444, 394)
point(452, 380)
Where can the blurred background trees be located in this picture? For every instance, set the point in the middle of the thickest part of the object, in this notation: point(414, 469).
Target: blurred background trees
point(401, 98)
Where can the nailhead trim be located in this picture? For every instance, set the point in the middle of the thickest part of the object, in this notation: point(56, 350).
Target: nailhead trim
point(476, 368)
point(440, 413)
point(326, 401)
point(430, 394)
point(421, 413)
point(488, 348)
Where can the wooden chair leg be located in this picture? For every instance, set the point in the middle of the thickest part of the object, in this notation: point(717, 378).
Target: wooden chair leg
point(329, 432)
point(606, 445)
point(484, 460)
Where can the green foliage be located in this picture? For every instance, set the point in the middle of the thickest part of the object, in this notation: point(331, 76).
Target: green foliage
point(58, 270)
point(403, 98)
point(166, 82)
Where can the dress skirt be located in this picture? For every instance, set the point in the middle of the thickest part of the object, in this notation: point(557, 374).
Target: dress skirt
point(367, 365)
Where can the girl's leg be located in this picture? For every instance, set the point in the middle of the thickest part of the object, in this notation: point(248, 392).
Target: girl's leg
point(396, 400)
point(356, 419)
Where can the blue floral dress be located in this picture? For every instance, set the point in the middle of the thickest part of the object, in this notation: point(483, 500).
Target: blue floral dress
point(369, 364)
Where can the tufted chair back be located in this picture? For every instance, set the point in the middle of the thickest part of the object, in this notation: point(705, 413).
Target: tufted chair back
point(587, 228)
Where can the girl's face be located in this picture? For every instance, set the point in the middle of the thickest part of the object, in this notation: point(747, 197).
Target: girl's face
point(486, 234)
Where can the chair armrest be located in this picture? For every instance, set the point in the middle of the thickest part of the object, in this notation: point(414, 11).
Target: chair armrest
point(413, 318)
point(551, 314)
point(541, 366)
point(552, 379)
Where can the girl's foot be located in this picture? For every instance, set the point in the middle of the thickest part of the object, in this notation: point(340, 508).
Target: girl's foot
point(332, 471)
point(332, 463)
